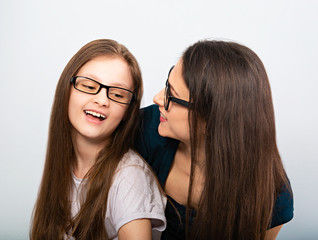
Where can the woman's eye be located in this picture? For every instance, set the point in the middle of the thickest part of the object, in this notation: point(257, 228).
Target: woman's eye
point(169, 92)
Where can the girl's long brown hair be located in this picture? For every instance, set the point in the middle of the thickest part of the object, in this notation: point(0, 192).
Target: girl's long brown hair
point(52, 212)
point(230, 94)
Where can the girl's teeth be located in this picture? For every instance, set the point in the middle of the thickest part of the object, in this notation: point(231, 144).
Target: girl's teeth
point(95, 114)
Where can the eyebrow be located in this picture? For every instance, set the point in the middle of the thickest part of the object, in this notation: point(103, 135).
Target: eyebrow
point(120, 85)
point(93, 77)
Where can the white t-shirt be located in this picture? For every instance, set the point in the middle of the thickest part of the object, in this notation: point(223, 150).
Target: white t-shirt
point(134, 194)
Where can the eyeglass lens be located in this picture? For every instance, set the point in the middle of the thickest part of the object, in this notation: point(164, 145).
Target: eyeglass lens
point(92, 87)
point(166, 96)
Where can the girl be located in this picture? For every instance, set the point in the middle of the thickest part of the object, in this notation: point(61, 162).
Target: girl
point(212, 145)
point(93, 185)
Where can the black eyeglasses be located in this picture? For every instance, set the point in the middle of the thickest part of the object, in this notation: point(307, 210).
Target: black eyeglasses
point(168, 97)
point(90, 86)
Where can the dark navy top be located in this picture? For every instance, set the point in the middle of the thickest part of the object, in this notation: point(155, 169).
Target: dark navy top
point(159, 153)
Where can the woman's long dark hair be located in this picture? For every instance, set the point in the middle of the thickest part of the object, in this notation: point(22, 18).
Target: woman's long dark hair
point(230, 94)
point(52, 212)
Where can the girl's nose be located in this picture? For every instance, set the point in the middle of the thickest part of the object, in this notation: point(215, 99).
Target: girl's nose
point(101, 98)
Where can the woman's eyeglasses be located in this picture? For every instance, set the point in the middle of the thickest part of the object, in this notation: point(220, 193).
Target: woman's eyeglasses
point(90, 86)
point(168, 97)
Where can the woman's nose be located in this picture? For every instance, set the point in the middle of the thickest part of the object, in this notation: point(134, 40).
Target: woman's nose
point(159, 98)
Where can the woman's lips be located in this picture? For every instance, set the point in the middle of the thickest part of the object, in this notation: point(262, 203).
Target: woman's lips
point(162, 118)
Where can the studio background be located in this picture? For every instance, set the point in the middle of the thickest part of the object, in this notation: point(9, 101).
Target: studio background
point(39, 37)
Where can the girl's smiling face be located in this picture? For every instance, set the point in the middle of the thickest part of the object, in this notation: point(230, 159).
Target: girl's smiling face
point(95, 117)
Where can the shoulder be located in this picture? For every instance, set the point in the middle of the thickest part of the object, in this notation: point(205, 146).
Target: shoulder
point(135, 194)
point(132, 162)
point(133, 176)
point(150, 113)
point(149, 117)
point(283, 210)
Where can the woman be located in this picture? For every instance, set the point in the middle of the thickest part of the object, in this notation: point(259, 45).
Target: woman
point(212, 145)
point(93, 185)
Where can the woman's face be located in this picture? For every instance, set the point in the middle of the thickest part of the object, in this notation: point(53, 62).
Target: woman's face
point(95, 117)
point(174, 121)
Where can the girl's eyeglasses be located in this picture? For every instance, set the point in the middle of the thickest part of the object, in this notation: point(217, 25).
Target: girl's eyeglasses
point(90, 86)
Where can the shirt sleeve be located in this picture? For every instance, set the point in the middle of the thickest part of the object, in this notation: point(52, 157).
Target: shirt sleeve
point(283, 210)
point(135, 194)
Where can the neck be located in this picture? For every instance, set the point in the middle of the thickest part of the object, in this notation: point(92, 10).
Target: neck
point(86, 154)
point(185, 149)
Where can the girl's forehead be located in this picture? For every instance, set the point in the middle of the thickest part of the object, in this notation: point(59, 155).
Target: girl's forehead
point(107, 70)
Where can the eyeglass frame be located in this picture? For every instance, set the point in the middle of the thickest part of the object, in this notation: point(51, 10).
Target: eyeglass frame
point(168, 97)
point(73, 81)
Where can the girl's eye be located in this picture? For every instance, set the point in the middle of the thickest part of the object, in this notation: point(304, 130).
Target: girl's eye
point(89, 87)
point(117, 95)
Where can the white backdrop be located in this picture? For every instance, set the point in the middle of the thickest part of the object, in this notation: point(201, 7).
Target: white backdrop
point(39, 37)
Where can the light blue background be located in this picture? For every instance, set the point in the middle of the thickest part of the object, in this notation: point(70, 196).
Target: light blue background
point(39, 37)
